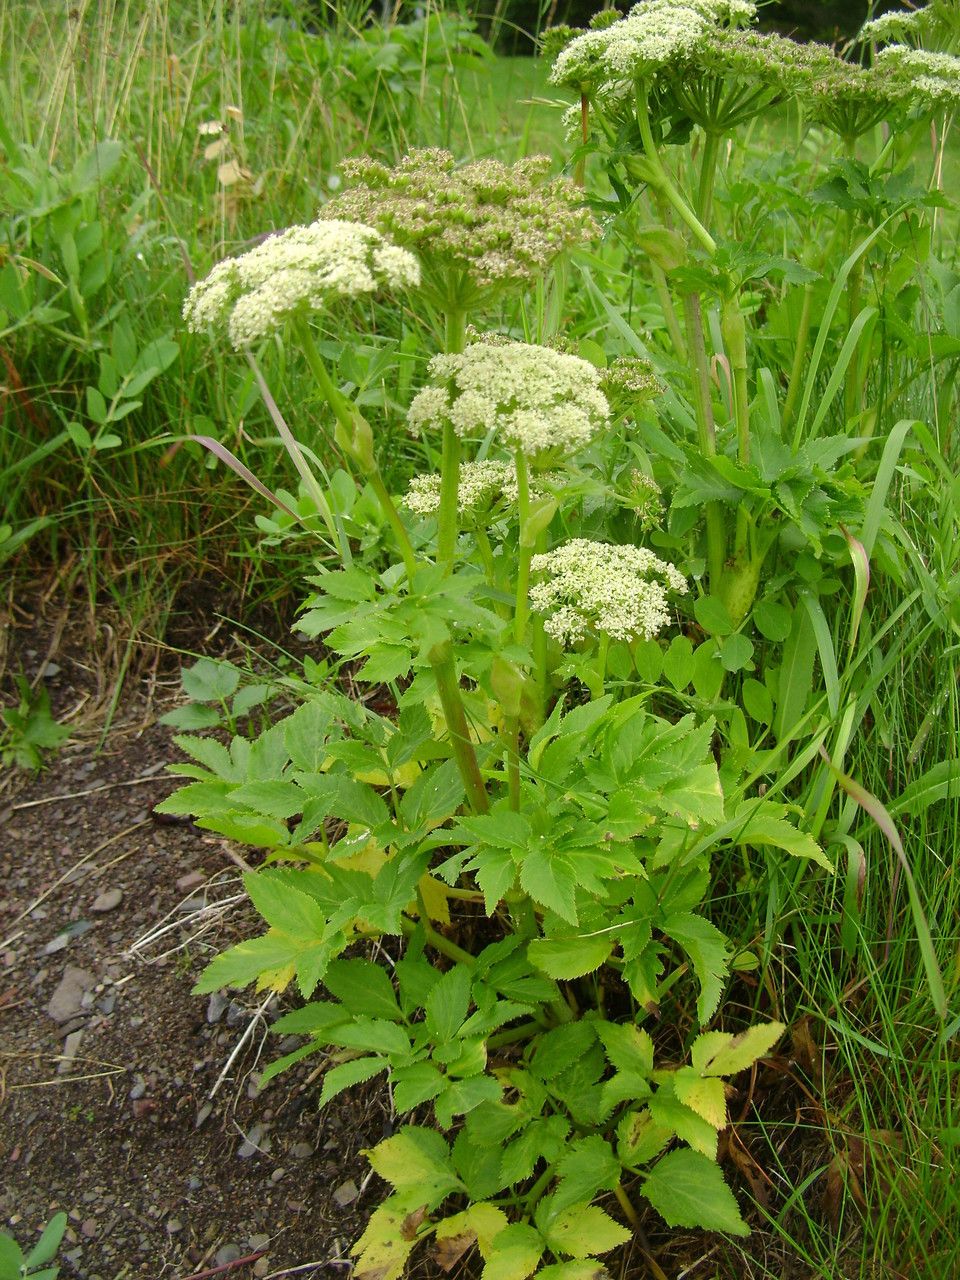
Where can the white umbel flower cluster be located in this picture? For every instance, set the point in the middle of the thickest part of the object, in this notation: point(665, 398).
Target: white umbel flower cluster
point(533, 398)
point(481, 487)
point(933, 78)
point(597, 586)
point(653, 35)
point(303, 268)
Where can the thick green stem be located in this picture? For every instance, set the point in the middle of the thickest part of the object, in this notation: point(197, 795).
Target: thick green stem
point(706, 432)
point(601, 672)
point(438, 942)
point(511, 738)
point(454, 342)
point(448, 687)
point(799, 358)
point(734, 331)
point(708, 175)
point(669, 313)
point(661, 180)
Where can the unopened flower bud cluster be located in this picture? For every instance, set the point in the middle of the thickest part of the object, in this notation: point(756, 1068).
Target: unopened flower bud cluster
point(532, 398)
point(495, 223)
point(600, 587)
point(301, 269)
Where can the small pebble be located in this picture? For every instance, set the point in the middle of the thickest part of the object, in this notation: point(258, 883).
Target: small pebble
point(70, 1048)
point(89, 1227)
point(262, 1266)
point(203, 1114)
point(216, 1007)
point(346, 1193)
point(252, 1143)
point(277, 1174)
point(173, 1226)
point(301, 1150)
point(138, 1088)
point(227, 1253)
point(258, 1242)
point(192, 880)
point(107, 900)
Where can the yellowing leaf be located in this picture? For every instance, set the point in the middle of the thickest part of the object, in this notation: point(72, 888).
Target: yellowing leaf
point(481, 1223)
point(435, 899)
point(384, 1247)
point(718, 1054)
point(705, 1097)
point(417, 1159)
point(276, 979)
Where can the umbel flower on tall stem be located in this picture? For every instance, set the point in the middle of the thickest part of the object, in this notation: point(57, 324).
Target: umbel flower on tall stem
point(477, 228)
point(296, 271)
point(536, 400)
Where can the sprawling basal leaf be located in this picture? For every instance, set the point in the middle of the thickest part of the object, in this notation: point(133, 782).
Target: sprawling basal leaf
point(578, 1230)
point(417, 1160)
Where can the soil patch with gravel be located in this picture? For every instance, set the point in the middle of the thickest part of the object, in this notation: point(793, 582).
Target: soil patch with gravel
point(125, 1101)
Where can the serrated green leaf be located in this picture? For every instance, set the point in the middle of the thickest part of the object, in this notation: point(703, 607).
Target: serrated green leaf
point(568, 958)
point(364, 988)
point(579, 1230)
point(461, 1096)
point(587, 1166)
point(688, 1190)
point(514, 1253)
point(244, 963)
point(764, 825)
point(448, 1003)
point(707, 948)
point(413, 1085)
point(209, 680)
point(640, 1138)
point(345, 1076)
point(705, 1097)
point(628, 1047)
point(11, 1259)
point(550, 879)
point(668, 1112)
point(582, 1269)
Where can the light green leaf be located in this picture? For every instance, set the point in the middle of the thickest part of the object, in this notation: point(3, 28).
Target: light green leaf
point(364, 988)
point(668, 1112)
point(348, 1074)
point(481, 1222)
point(941, 782)
point(45, 1250)
point(582, 1269)
point(718, 1054)
point(587, 1166)
point(568, 958)
point(388, 1241)
point(688, 1190)
point(705, 1097)
point(707, 948)
point(550, 879)
point(629, 1048)
point(579, 1230)
point(448, 1002)
point(765, 826)
point(417, 1159)
point(514, 1253)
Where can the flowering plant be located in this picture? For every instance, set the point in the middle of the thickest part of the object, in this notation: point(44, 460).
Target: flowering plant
point(540, 845)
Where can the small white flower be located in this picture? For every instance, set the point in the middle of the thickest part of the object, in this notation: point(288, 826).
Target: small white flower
point(598, 586)
point(303, 268)
point(210, 128)
point(532, 397)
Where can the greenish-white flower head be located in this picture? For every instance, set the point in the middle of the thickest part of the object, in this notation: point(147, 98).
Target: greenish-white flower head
point(635, 48)
point(644, 497)
point(655, 34)
point(600, 587)
point(931, 79)
point(487, 225)
point(899, 25)
point(299, 270)
point(531, 398)
point(767, 59)
point(484, 488)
